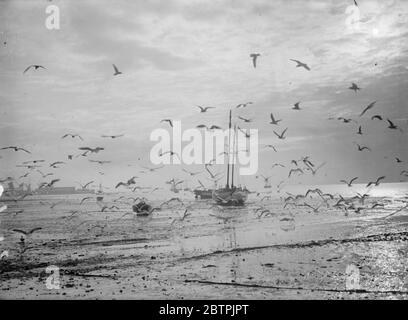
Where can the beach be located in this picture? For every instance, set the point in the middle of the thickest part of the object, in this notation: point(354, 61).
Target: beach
point(215, 253)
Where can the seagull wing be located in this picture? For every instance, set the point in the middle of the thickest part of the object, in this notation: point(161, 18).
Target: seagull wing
point(20, 231)
point(26, 69)
point(380, 178)
point(22, 149)
point(368, 108)
point(34, 230)
point(115, 68)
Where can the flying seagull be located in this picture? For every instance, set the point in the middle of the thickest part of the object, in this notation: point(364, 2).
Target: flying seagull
point(345, 120)
point(48, 185)
point(296, 106)
point(368, 108)
point(153, 169)
point(172, 153)
point(360, 148)
point(35, 66)
point(117, 72)
point(99, 161)
point(350, 182)
point(274, 121)
point(244, 119)
point(376, 183)
point(204, 109)
point(295, 170)
point(72, 136)
point(127, 183)
point(282, 135)
point(191, 173)
point(113, 137)
point(44, 175)
point(16, 149)
point(243, 105)
point(92, 150)
point(54, 164)
point(301, 64)
point(254, 56)
point(270, 146)
point(392, 125)
point(278, 165)
point(85, 185)
point(354, 87)
point(26, 233)
point(169, 121)
point(33, 161)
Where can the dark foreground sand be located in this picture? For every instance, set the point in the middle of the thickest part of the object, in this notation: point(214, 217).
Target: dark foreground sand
point(307, 263)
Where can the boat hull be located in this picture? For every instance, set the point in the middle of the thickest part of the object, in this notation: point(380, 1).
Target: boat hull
point(203, 194)
point(230, 197)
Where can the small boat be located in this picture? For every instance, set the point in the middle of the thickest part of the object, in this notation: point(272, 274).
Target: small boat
point(203, 194)
point(99, 193)
point(142, 209)
point(231, 195)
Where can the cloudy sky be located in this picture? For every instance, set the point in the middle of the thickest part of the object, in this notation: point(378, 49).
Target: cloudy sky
point(177, 54)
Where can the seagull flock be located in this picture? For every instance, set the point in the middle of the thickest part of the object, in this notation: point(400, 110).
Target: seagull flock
point(296, 167)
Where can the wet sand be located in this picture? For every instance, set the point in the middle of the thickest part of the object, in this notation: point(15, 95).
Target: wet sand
point(228, 254)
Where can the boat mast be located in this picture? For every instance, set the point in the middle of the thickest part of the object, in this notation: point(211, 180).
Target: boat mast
point(229, 143)
point(233, 156)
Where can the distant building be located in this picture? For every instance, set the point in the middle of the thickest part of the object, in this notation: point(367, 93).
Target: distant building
point(62, 190)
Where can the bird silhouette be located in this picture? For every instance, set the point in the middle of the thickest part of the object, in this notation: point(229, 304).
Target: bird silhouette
point(274, 121)
point(350, 182)
point(301, 64)
point(376, 183)
point(362, 148)
point(92, 150)
point(282, 135)
point(244, 119)
point(72, 136)
point(354, 87)
point(204, 109)
point(26, 233)
point(168, 121)
point(296, 106)
point(35, 66)
point(254, 57)
point(16, 149)
point(370, 106)
point(243, 105)
point(392, 125)
point(117, 72)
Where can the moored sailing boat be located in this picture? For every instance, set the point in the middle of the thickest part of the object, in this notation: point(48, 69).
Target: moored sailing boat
point(99, 193)
point(231, 195)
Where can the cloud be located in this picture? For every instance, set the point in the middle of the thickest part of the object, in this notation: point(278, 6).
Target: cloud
point(177, 54)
